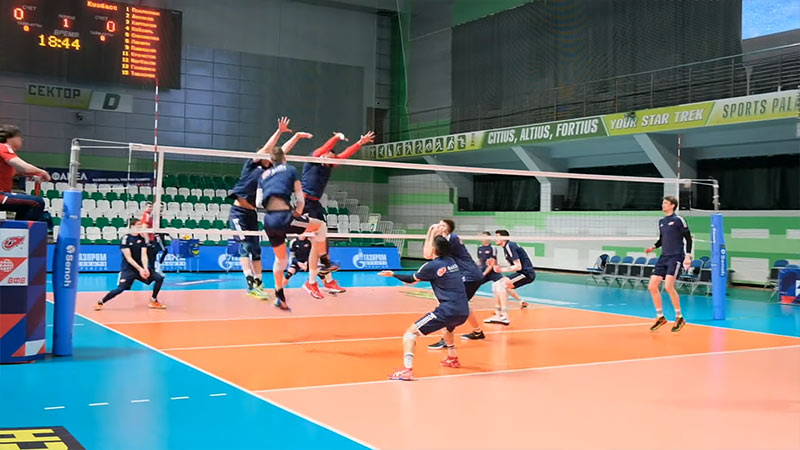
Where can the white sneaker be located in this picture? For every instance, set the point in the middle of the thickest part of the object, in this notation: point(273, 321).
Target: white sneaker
point(498, 319)
point(492, 319)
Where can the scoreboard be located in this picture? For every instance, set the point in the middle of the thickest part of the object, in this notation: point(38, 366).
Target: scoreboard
point(88, 40)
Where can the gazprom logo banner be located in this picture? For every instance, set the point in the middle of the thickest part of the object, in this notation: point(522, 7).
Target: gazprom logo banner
point(108, 258)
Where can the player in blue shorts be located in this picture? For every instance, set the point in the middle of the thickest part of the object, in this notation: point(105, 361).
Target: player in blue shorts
point(672, 233)
point(473, 277)
point(134, 267)
point(276, 186)
point(448, 287)
point(243, 216)
point(523, 273)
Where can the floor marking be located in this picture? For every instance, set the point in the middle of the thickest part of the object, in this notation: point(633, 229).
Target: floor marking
point(99, 404)
point(54, 407)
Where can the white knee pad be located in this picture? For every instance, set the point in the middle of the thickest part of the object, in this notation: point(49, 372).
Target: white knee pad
point(499, 286)
point(279, 265)
point(321, 234)
point(409, 337)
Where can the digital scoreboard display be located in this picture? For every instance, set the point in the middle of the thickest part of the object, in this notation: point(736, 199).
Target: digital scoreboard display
point(87, 40)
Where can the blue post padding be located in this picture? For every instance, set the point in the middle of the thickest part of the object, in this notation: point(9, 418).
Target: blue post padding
point(65, 273)
point(719, 267)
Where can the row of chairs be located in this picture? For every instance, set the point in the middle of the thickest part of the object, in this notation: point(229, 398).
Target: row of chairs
point(612, 270)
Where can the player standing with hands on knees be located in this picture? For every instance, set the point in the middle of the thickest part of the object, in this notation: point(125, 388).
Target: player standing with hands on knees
point(675, 241)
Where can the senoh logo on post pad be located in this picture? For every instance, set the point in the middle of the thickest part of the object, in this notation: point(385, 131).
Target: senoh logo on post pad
point(70, 265)
point(12, 242)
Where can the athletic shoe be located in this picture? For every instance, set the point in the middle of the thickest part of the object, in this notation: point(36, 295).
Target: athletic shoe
point(260, 293)
point(313, 289)
point(659, 322)
point(403, 375)
point(451, 362)
point(474, 336)
point(503, 320)
point(98, 306)
point(333, 287)
point(523, 304)
point(281, 305)
point(438, 345)
point(679, 323)
point(154, 304)
point(328, 268)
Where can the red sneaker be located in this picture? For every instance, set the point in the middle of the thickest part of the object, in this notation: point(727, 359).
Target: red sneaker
point(313, 289)
point(156, 305)
point(334, 288)
point(451, 362)
point(403, 375)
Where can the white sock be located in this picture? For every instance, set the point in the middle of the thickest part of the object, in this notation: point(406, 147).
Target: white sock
point(408, 360)
point(678, 314)
point(659, 313)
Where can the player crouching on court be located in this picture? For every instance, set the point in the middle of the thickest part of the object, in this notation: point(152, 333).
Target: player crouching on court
point(135, 267)
point(274, 193)
point(453, 309)
point(523, 274)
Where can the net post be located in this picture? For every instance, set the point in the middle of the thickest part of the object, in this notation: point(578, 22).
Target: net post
point(65, 260)
point(719, 260)
point(159, 181)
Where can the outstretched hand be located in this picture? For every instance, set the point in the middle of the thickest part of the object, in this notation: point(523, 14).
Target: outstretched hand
point(283, 125)
point(386, 273)
point(367, 138)
point(339, 135)
point(303, 135)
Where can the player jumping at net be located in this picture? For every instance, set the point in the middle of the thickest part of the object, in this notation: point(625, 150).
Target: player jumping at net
point(672, 233)
point(243, 216)
point(315, 178)
point(524, 273)
point(134, 267)
point(448, 286)
point(473, 277)
point(275, 189)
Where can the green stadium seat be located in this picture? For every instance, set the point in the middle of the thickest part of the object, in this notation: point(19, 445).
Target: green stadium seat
point(205, 199)
point(111, 196)
point(176, 223)
point(204, 224)
point(183, 180)
point(84, 195)
point(218, 225)
point(192, 199)
point(97, 196)
point(116, 241)
point(166, 198)
point(52, 193)
point(102, 222)
point(125, 196)
point(86, 241)
point(218, 200)
point(56, 221)
point(190, 223)
point(164, 223)
point(138, 197)
point(118, 222)
point(179, 198)
point(87, 222)
point(170, 181)
point(100, 241)
point(210, 243)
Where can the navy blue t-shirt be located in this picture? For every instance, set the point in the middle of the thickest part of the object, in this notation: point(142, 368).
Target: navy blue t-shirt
point(485, 252)
point(278, 181)
point(135, 244)
point(671, 230)
point(448, 286)
point(248, 182)
point(301, 250)
point(514, 252)
point(315, 178)
point(466, 264)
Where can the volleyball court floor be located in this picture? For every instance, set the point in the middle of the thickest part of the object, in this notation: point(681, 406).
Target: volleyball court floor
point(577, 369)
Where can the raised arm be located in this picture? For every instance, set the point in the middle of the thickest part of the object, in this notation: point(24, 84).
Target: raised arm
point(350, 151)
point(288, 145)
point(283, 127)
point(427, 248)
point(328, 146)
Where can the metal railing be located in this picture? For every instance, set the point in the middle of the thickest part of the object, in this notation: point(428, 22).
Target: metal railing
point(757, 72)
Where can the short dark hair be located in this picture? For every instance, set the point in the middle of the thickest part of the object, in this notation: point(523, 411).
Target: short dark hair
point(132, 222)
point(450, 224)
point(441, 246)
point(672, 200)
point(277, 156)
point(486, 233)
point(502, 232)
point(9, 131)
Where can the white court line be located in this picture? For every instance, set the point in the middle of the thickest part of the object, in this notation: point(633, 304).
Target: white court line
point(99, 404)
point(144, 400)
point(54, 407)
point(385, 338)
point(396, 313)
point(50, 325)
point(217, 395)
point(533, 369)
point(229, 383)
point(185, 397)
